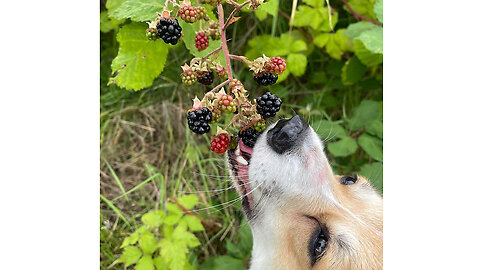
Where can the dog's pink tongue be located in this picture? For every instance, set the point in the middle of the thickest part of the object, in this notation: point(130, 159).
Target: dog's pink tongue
point(245, 148)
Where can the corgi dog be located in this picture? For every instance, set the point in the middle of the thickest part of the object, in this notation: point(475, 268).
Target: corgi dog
point(302, 216)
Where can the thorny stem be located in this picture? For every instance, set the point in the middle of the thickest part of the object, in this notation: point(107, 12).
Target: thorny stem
point(357, 15)
point(224, 41)
point(237, 8)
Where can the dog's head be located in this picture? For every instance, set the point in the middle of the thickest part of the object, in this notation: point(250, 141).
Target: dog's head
point(302, 216)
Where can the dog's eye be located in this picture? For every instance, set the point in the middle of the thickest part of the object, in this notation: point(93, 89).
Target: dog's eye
point(348, 180)
point(318, 244)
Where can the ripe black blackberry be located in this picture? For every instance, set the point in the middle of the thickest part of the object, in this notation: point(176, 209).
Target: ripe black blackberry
point(249, 136)
point(198, 120)
point(169, 30)
point(206, 78)
point(266, 78)
point(268, 104)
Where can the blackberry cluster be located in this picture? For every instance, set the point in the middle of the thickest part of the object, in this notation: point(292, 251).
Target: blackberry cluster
point(169, 30)
point(266, 78)
point(220, 144)
point(201, 41)
point(249, 136)
point(206, 78)
point(198, 120)
point(268, 104)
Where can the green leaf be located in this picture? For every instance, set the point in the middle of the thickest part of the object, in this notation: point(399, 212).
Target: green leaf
point(374, 173)
point(367, 58)
point(246, 239)
point(268, 45)
point(375, 128)
point(334, 43)
point(174, 253)
point(355, 29)
point(296, 63)
point(172, 218)
point(372, 146)
point(344, 147)
point(148, 242)
point(314, 17)
point(221, 263)
point(160, 263)
point(363, 114)
point(182, 235)
point(130, 240)
point(298, 46)
point(192, 222)
point(188, 201)
point(106, 25)
point(173, 208)
point(373, 39)
point(145, 263)
point(329, 130)
point(112, 5)
point(364, 7)
point(378, 9)
point(138, 10)
point(139, 60)
point(234, 250)
point(353, 71)
point(270, 7)
point(153, 218)
point(130, 255)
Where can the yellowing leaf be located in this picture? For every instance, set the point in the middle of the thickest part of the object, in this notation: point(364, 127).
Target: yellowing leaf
point(154, 218)
point(139, 60)
point(148, 242)
point(130, 255)
point(193, 223)
point(145, 263)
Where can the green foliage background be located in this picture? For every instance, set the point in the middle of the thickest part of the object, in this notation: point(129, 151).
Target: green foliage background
point(333, 79)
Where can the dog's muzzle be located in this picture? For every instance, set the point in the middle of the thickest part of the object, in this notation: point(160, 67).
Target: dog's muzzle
point(286, 133)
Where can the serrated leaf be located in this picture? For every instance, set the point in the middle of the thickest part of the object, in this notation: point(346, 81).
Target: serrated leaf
point(139, 60)
point(270, 7)
point(112, 5)
point(188, 201)
point(268, 45)
point(296, 63)
point(344, 147)
point(174, 253)
point(172, 218)
point(374, 173)
point(378, 9)
point(160, 263)
point(167, 230)
point(221, 263)
point(315, 17)
point(180, 234)
point(353, 71)
point(375, 128)
point(334, 43)
point(329, 130)
point(138, 10)
point(145, 263)
point(363, 7)
point(130, 240)
point(154, 218)
point(363, 114)
point(130, 255)
point(373, 39)
point(372, 146)
point(193, 223)
point(355, 29)
point(173, 208)
point(148, 242)
point(366, 57)
point(298, 46)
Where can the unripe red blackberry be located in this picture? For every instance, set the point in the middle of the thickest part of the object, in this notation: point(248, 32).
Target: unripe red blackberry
point(188, 77)
point(198, 120)
point(169, 30)
point(188, 14)
point(260, 126)
point(249, 136)
point(201, 41)
point(219, 144)
point(276, 65)
point(268, 104)
point(265, 78)
point(205, 78)
point(225, 103)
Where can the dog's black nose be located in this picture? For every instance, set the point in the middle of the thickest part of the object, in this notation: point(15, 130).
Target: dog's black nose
point(285, 133)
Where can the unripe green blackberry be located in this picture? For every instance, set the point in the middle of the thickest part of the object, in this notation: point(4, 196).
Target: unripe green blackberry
point(188, 77)
point(152, 34)
point(216, 115)
point(226, 104)
point(260, 126)
point(201, 12)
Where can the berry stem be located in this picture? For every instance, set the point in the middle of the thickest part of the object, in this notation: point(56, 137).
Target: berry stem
point(357, 15)
point(212, 52)
point(218, 86)
point(240, 58)
point(224, 40)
